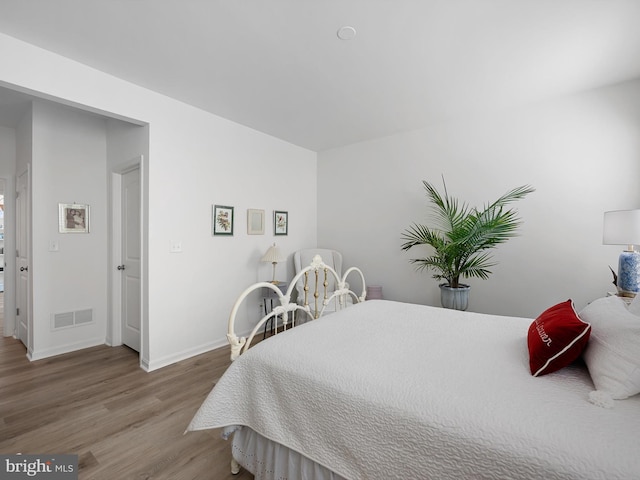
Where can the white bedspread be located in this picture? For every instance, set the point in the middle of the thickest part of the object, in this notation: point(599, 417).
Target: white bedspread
point(388, 390)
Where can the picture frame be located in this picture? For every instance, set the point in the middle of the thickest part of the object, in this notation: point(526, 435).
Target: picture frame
point(255, 221)
point(222, 220)
point(280, 222)
point(73, 218)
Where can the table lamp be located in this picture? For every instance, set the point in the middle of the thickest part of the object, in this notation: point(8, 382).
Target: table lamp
point(622, 227)
point(274, 256)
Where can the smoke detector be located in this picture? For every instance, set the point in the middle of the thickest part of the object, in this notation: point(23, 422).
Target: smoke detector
point(346, 33)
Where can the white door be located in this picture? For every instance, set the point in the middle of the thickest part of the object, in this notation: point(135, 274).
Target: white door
point(22, 258)
point(131, 259)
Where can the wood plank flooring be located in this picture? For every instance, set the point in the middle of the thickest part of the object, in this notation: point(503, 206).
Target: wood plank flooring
point(123, 423)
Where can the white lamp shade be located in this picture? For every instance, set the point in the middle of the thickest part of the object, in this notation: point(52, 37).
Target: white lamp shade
point(273, 255)
point(621, 227)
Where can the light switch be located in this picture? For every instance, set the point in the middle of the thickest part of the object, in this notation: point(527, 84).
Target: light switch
point(54, 246)
point(175, 247)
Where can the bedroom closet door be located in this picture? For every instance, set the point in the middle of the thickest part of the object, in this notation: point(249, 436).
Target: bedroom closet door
point(23, 283)
point(131, 259)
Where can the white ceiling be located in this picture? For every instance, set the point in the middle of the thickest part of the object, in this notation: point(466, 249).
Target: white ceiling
point(279, 67)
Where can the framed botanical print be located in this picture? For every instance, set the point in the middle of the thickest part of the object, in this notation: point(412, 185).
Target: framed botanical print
point(222, 220)
point(73, 218)
point(280, 223)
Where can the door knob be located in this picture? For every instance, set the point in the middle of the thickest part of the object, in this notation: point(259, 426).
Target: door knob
point(120, 267)
point(24, 269)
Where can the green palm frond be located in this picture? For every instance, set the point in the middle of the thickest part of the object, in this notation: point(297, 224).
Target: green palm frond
point(463, 234)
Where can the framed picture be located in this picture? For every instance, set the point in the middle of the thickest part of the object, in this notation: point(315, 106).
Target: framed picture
point(73, 218)
point(255, 222)
point(280, 223)
point(222, 220)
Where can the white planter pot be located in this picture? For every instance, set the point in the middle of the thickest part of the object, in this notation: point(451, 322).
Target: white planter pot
point(454, 298)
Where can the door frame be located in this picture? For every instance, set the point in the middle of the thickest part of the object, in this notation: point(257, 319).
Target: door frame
point(114, 329)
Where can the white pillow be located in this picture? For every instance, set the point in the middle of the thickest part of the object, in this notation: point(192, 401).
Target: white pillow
point(613, 352)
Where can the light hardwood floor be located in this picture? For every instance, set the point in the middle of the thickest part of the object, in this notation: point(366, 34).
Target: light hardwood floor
point(123, 423)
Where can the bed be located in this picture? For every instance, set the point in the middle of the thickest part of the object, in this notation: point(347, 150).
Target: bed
point(384, 390)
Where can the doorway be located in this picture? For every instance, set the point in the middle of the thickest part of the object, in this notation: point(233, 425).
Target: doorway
point(131, 259)
point(23, 323)
point(128, 255)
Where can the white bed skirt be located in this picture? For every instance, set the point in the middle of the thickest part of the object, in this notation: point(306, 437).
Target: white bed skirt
point(268, 460)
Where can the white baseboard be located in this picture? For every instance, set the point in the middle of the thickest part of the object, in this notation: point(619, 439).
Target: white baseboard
point(145, 364)
point(60, 349)
point(192, 352)
point(179, 356)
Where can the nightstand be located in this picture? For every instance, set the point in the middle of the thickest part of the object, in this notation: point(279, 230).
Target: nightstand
point(269, 301)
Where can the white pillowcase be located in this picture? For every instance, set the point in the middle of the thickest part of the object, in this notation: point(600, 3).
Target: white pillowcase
point(613, 352)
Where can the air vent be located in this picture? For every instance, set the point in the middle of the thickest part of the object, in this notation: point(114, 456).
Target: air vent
point(62, 320)
point(83, 316)
point(72, 319)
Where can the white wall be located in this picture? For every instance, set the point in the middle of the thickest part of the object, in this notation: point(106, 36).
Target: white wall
point(581, 153)
point(68, 166)
point(195, 163)
point(7, 151)
point(195, 160)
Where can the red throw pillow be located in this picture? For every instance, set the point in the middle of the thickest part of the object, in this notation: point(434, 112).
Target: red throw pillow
point(556, 338)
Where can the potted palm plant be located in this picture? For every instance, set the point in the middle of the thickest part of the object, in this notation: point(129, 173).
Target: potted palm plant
point(461, 239)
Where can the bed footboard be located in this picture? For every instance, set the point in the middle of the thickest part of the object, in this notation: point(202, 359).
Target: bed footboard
point(316, 277)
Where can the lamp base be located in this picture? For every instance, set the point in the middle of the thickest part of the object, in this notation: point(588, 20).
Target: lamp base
point(629, 272)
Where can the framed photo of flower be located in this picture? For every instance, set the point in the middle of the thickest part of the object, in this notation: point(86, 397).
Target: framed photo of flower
point(73, 218)
point(222, 220)
point(280, 223)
